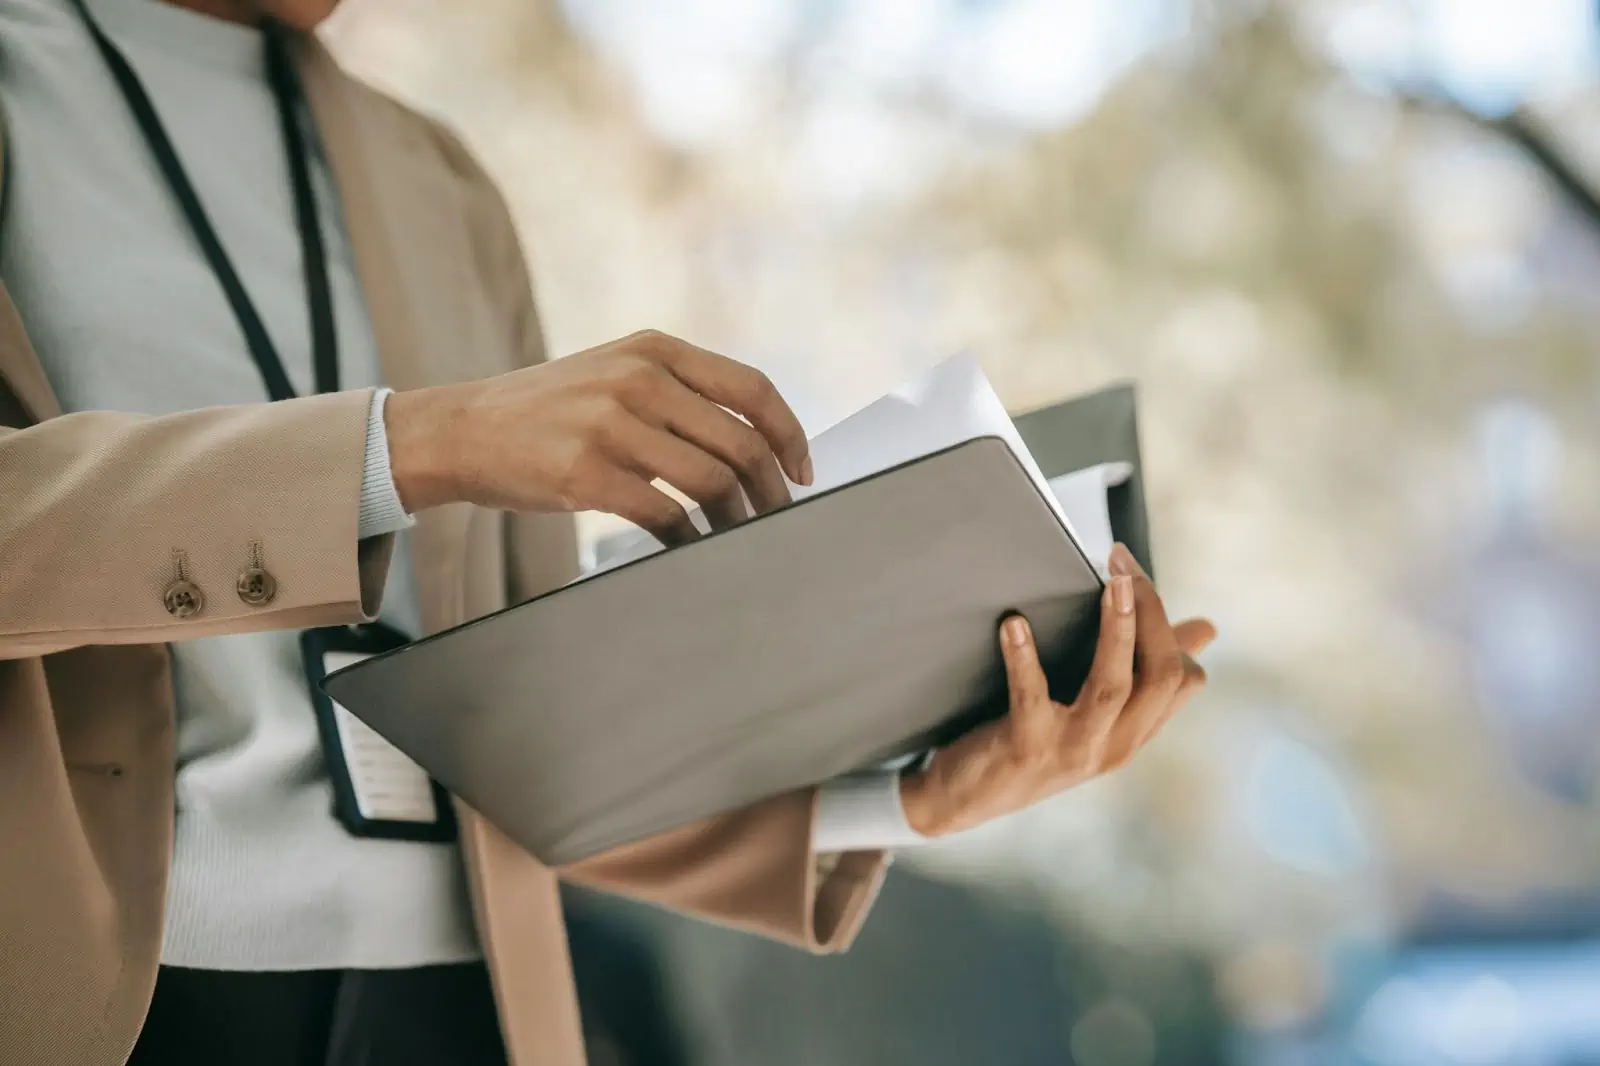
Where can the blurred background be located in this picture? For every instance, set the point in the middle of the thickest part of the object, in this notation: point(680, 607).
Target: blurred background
point(1349, 252)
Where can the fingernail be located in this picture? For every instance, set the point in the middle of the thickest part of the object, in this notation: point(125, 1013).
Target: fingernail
point(807, 473)
point(1123, 562)
point(1016, 631)
point(1122, 594)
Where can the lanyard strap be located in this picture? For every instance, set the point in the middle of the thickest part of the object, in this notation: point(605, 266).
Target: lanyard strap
point(319, 302)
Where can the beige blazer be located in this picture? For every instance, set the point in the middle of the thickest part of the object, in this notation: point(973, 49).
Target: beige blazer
point(101, 513)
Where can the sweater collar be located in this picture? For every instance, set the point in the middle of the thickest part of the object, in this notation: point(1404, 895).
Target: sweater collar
point(186, 36)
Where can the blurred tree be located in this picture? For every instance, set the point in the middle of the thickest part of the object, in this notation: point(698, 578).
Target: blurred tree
point(1319, 287)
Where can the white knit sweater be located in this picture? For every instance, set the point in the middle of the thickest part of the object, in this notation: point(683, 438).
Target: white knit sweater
point(126, 315)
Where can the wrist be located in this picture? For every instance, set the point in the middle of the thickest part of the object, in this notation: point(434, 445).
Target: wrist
point(420, 425)
point(920, 803)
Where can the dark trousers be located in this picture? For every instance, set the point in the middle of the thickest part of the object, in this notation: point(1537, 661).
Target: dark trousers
point(423, 1017)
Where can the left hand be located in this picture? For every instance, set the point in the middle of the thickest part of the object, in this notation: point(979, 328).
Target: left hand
point(1042, 747)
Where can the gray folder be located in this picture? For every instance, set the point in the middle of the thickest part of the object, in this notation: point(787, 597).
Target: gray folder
point(838, 632)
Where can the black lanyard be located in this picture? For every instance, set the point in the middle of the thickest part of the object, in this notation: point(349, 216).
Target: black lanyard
point(319, 301)
point(421, 823)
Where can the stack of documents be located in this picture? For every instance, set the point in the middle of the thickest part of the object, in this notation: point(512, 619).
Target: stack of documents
point(855, 626)
point(948, 405)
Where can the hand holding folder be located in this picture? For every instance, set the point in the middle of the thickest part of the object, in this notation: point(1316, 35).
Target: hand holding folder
point(1043, 747)
point(856, 625)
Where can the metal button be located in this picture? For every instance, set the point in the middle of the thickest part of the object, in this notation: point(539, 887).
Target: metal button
point(256, 586)
point(183, 599)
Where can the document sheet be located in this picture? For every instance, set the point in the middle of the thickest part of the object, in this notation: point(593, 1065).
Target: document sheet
point(949, 404)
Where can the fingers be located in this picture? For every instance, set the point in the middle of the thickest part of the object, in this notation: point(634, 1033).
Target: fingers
point(653, 453)
point(1195, 635)
point(742, 390)
point(1194, 680)
point(1161, 661)
point(1032, 712)
point(1110, 682)
point(631, 497)
point(735, 444)
point(1040, 749)
point(1167, 672)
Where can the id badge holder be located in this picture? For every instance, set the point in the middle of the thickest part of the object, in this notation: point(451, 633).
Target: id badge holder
point(378, 791)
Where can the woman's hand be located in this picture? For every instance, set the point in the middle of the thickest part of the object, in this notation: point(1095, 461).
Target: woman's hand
point(1042, 747)
point(595, 430)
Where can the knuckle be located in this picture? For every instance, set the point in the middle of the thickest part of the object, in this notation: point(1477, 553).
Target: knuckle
point(719, 479)
point(1030, 756)
point(1110, 695)
point(649, 342)
point(635, 513)
point(751, 387)
point(661, 513)
point(604, 424)
point(608, 410)
point(759, 385)
point(573, 480)
point(1167, 675)
point(749, 451)
point(638, 379)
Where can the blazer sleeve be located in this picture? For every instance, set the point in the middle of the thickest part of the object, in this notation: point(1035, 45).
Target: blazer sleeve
point(752, 869)
point(103, 512)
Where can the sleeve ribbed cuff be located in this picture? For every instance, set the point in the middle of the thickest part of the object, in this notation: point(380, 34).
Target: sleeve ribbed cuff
point(381, 510)
point(862, 812)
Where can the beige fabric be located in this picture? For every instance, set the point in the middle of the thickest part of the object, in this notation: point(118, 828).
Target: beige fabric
point(98, 511)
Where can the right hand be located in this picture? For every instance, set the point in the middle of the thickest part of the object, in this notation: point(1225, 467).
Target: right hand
point(593, 431)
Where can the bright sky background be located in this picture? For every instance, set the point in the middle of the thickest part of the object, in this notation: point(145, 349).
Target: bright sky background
point(704, 68)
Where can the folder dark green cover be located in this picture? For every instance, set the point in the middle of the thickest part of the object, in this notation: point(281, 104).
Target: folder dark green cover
point(1101, 427)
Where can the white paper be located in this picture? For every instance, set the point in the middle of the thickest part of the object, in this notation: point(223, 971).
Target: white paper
point(947, 405)
point(388, 785)
point(1082, 494)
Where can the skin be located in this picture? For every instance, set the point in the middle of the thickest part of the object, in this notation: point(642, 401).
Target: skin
point(302, 15)
point(597, 430)
point(593, 431)
point(1041, 747)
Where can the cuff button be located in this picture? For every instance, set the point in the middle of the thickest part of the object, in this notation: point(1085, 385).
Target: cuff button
point(256, 587)
point(183, 599)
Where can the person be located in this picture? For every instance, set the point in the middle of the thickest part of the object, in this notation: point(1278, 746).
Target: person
point(219, 254)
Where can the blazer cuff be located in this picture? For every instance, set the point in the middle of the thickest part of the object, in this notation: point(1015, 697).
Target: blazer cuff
point(841, 898)
point(754, 869)
point(862, 812)
point(381, 510)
